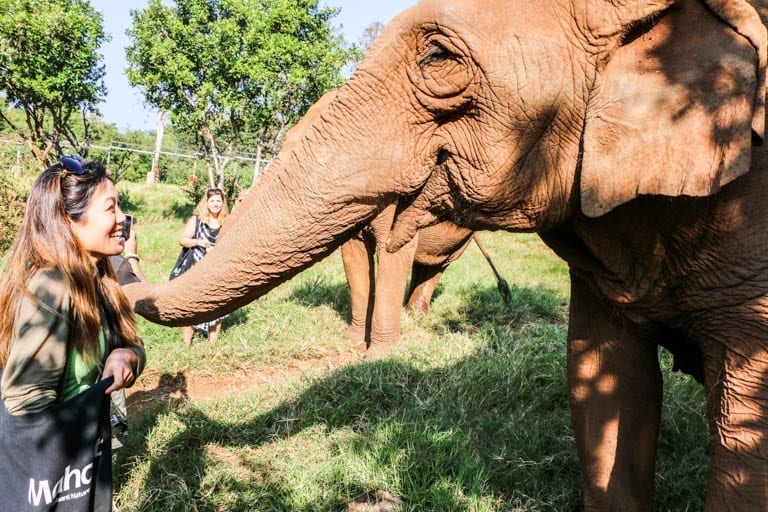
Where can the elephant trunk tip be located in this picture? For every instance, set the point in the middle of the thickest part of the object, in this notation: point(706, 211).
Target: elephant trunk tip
point(142, 300)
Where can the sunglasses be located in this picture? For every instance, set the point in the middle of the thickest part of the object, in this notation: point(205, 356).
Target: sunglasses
point(72, 164)
point(212, 191)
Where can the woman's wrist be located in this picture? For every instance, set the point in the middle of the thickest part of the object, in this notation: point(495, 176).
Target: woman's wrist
point(132, 255)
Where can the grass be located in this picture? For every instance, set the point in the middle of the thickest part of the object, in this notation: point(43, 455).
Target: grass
point(469, 413)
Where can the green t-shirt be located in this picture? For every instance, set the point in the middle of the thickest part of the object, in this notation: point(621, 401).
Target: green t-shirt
point(81, 375)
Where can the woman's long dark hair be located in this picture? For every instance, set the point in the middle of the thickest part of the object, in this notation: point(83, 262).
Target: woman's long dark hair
point(46, 240)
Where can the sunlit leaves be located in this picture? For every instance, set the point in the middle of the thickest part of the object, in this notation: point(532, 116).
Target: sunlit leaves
point(234, 67)
point(50, 66)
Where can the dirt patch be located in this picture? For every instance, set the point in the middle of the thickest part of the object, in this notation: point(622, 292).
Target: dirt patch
point(155, 387)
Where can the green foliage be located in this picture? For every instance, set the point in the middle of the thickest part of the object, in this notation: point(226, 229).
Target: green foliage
point(234, 71)
point(130, 154)
point(12, 212)
point(51, 69)
point(123, 165)
point(469, 413)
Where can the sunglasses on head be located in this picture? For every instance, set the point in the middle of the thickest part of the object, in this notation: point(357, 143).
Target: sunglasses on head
point(215, 190)
point(72, 164)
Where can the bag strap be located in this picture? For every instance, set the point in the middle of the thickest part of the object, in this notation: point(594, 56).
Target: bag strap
point(70, 341)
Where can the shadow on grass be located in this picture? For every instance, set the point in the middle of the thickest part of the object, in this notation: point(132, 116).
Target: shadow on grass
point(181, 210)
point(237, 317)
point(129, 203)
point(480, 307)
point(491, 428)
point(318, 292)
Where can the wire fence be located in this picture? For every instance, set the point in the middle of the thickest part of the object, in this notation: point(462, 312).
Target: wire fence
point(16, 158)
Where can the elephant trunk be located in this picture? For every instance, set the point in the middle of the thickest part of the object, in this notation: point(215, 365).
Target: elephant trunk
point(328, 181)
point(298, 215)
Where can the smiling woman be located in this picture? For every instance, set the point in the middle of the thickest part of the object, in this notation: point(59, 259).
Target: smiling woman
point(64, 321)
point(72, 223)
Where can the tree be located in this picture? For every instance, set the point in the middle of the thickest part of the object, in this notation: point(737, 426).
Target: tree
point(370, 35)
point(234, 71)
point(12, 212)
point(50, 69)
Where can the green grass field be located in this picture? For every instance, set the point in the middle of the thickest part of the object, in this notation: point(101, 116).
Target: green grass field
point(469, 413)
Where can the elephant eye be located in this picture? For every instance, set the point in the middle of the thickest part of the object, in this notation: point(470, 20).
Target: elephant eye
point(445, 75)
point(437, 52)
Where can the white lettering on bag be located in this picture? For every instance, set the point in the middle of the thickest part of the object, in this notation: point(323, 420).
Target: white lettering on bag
point(42, 490)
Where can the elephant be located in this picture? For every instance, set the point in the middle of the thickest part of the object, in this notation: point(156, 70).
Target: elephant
point(377, 289)
point(628, 135)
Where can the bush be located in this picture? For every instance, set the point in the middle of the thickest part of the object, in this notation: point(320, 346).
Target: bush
point(12, 213)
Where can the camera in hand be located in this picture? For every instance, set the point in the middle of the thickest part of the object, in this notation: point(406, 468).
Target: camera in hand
point(127, 226)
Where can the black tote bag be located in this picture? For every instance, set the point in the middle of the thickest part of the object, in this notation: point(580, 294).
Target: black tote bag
point(59, 459)
point(186, 257)
point(183, 263)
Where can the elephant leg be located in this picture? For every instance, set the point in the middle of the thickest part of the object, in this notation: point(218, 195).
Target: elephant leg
point(424, 280)
point(615, 394)
point(737, 391)
point(359, 267)
point(391, 280)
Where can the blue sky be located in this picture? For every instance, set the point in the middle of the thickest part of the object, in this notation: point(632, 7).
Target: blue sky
point(124, 106)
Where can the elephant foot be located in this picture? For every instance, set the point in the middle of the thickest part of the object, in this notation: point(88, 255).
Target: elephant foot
point(355, 334)
point(420, 309)
point(379, 350)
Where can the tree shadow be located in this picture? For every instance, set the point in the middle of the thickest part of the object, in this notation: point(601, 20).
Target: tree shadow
point(471, 451)
point(181, 210)
point(129, 203)
point(484, 301)
point(318, 292)
point(237, 317)
point(482, 307)
point(494, 449)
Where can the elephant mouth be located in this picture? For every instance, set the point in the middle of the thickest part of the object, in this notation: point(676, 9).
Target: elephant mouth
point(425, 206)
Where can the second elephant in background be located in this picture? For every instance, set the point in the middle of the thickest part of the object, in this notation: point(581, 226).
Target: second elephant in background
point(377, 288)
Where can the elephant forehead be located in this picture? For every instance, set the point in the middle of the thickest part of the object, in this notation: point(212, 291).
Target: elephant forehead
point(523, 51)
point(490, 18)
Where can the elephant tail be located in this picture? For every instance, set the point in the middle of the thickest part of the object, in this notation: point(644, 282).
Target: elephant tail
point(501, 283)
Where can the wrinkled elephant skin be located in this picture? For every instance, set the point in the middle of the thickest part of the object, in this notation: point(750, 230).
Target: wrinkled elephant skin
point(627, 134)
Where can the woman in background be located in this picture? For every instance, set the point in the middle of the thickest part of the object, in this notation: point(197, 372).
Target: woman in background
point(197, 237)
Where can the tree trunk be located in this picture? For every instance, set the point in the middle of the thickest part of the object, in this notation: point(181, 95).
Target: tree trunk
point(154, 173)
point(257, 165)
point(218, 168)
point(211, 176)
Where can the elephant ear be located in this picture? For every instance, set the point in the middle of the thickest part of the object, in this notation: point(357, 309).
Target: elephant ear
point(675, 105)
